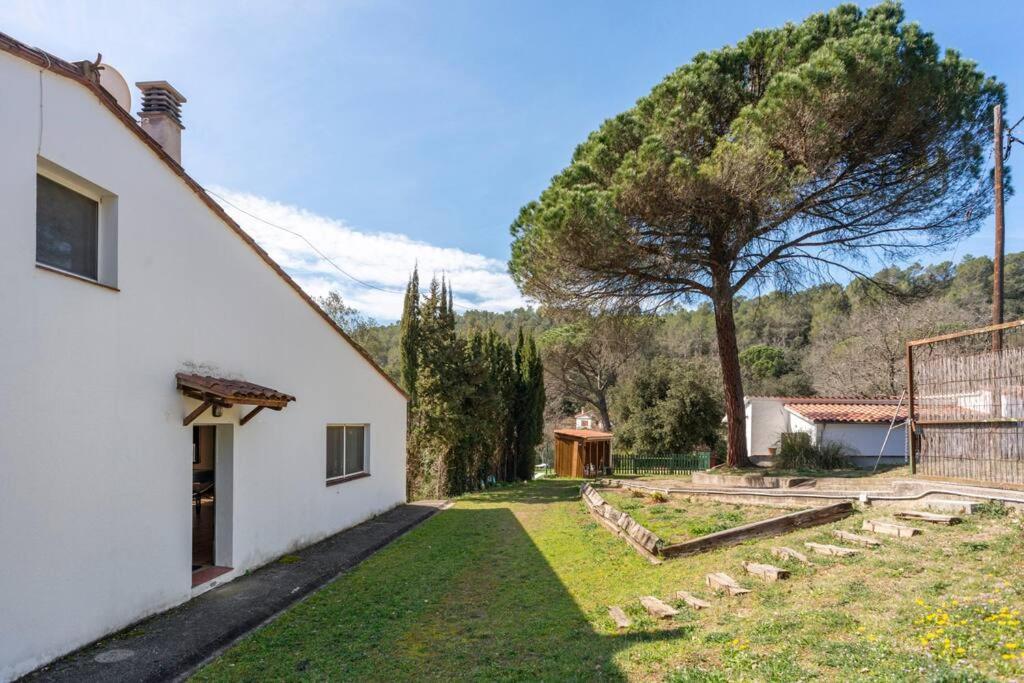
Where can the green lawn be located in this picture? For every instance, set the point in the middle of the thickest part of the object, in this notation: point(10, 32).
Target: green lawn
point(514, 584)
point(679, 519)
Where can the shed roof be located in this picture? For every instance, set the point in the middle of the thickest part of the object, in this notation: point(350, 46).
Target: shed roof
point(83, 73)
point(584, 434)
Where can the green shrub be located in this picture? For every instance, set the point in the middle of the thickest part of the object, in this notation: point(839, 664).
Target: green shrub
point(796, 452)
point(992, 508)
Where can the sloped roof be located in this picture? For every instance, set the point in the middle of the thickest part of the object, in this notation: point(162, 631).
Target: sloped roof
point(875, 412)
point(844, 400)
point(78, 73)
point(584, 434)
point(232, 390)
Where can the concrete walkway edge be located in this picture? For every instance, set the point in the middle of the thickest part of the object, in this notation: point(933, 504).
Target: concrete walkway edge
point(174, 644)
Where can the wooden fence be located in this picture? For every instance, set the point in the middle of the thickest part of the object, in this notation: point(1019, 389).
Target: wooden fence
point(662, 464)
point(966, 404)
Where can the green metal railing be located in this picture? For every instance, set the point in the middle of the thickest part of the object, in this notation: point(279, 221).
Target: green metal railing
point(662, 464)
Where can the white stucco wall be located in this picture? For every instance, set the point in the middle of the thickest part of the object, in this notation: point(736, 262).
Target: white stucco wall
point(766, 420)
point(865, 439)
point(95, 514)
point(798, 423)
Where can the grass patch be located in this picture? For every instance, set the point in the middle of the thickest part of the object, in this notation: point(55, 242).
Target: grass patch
point(681, 519)
point(884, 472)
point(514, 584)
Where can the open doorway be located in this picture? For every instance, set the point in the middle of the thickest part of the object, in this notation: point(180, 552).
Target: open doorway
point(204, 495)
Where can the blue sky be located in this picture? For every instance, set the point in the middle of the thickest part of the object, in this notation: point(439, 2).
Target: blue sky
point(395, 132)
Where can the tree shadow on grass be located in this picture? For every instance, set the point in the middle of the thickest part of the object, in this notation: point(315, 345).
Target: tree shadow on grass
point(538, 491)
point(507, 614)
point(468, 595)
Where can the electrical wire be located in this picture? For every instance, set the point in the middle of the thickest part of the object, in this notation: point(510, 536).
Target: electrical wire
point(312, 246)
point(316, 250)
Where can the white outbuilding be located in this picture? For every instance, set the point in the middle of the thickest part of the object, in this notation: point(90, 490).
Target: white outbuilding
point(859, 424)
point(174, 410)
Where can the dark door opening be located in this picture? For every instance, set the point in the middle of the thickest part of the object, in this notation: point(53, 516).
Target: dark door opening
point(204, 460)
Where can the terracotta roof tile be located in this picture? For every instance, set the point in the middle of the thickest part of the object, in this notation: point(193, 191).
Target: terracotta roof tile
point(849, 412)
point(860, 400)
point(231, 390)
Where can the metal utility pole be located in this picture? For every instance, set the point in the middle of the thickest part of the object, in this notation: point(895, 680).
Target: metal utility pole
point(997, 260)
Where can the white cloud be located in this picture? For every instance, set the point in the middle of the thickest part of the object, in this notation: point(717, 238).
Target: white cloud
point(383, 260)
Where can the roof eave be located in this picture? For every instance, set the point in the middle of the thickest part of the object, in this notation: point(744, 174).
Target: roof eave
point(66, 69)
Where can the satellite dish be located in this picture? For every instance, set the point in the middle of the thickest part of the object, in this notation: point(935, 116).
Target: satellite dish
point(113, 82)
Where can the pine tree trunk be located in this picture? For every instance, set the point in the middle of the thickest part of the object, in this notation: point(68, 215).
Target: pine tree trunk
point(729, 357)
point(602, 407)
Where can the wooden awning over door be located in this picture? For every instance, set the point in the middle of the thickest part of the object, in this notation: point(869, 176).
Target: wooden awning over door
point(224, 392)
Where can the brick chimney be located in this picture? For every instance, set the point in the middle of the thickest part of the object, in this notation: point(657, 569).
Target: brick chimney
point(161, 115)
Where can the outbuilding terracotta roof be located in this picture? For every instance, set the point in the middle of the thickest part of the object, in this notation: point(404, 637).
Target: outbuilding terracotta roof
point(845, 400)
point(584, 434)
point(849, 412)
point(84, 73)
point(231, 390)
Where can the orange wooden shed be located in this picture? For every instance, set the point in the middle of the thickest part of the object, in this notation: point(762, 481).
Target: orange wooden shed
point(582, 453)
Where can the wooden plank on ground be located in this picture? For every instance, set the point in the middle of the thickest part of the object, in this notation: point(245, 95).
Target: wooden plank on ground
point(857, 538)
point(784, 553)
point(619, 617)
point(833, 550)
point(720, 581)
point(889, 528)
point(692, 600)
point(765, 572)
point(619, 523)
point(932, 517)
point(658, 609)
point(766, 527)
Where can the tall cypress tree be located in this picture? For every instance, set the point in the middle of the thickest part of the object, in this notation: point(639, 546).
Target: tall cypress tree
point(409, 340)
point(479, 405)
point(436, 433)
point(518, 406)
point(529, 405)
point(538, 398)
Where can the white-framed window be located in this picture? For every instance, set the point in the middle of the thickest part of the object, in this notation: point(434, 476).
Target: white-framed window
point(76, 226)
point(347, 452)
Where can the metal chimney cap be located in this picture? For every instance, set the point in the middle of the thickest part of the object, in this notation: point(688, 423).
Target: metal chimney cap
point(161, 85)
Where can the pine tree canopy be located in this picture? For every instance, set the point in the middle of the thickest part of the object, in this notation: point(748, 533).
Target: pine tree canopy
point(797, 147)
point(797, 152)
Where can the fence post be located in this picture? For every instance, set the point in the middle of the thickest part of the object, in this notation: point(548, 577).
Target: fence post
point(911, 440)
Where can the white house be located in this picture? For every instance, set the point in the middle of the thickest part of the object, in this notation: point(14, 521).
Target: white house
point(174, 409)
point(857, 423)
point(587, 420)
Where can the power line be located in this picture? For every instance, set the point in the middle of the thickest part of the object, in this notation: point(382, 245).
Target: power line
point(312, 246)
point(319, 253)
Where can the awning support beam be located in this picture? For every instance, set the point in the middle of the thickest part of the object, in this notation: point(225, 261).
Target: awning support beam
point(250, 415)
point(191, 417)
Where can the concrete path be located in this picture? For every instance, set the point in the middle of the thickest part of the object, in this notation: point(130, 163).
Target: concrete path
point(171, 645)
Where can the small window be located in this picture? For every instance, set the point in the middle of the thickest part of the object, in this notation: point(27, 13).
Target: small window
point(76, 226)
point(346, 451)
point(67, 229)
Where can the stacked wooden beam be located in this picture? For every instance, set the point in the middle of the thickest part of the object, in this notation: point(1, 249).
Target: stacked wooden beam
point(642, 539)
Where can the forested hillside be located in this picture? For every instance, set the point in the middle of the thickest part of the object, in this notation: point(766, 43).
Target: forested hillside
point(826, 340)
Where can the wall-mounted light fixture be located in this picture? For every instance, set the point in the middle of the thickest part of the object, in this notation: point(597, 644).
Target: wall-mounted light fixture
point(217, 410)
